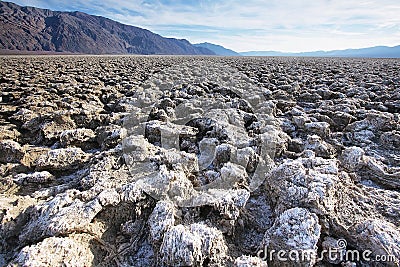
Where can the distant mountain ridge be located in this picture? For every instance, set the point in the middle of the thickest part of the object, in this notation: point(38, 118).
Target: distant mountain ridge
point(218, 49)
point(41, 30)
point(36, 29)
point(372, 52)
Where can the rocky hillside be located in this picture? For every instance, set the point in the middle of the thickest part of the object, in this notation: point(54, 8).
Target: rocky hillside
point(35, 29)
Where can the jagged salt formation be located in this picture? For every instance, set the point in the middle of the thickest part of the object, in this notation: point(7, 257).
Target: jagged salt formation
point(161, 161)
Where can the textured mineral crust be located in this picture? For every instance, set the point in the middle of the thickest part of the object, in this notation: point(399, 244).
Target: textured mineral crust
point(199, 161)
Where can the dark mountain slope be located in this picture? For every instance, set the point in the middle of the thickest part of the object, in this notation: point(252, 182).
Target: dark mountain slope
point(35, 29)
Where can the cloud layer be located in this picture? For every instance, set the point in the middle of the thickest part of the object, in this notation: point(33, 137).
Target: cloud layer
point(284, 25)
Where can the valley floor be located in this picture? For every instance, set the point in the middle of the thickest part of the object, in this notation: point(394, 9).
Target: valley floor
point(199, 161)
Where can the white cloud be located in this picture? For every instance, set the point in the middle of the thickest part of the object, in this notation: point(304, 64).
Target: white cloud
point(285, 25)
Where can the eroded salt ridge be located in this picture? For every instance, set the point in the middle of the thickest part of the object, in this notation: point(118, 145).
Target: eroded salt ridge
point(69, 127)
point(198, 133)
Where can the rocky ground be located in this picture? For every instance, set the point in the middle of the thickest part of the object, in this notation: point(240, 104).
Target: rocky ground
point(198, 161)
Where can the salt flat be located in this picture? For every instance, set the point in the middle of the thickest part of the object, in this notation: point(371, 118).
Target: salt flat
point(197, 161)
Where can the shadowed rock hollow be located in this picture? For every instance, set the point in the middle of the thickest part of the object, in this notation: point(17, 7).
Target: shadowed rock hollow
point(191, 161)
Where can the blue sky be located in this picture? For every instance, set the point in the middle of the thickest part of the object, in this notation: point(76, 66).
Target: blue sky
point(248, 25)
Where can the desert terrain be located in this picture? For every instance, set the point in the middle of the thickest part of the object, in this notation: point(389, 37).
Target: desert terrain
point(198, 161)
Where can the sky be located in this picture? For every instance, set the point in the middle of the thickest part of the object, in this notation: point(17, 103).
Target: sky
point(254, 25)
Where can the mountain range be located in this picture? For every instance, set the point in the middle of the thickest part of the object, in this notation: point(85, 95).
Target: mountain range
point(44, 31)
point(371, 52)
point(218, 49)
point(36, 29)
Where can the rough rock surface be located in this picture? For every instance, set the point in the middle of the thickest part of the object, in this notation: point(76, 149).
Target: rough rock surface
point(178, 161)
point(71, 251)
point(294, 230)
